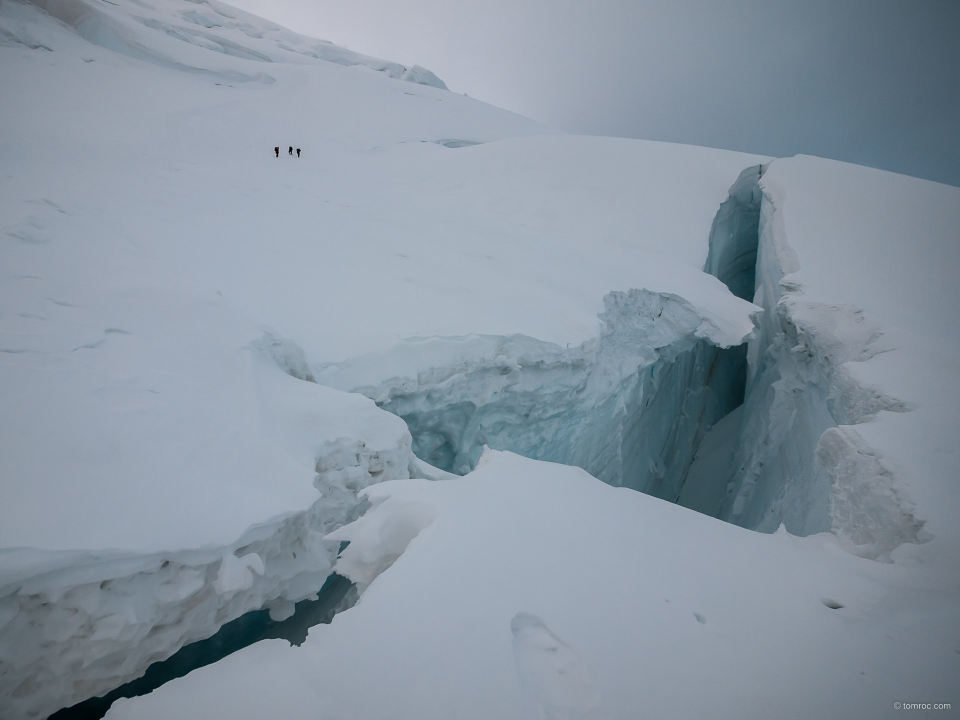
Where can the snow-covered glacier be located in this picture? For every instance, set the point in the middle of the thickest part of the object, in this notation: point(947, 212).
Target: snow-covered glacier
point(229, 374)
point(629, 407)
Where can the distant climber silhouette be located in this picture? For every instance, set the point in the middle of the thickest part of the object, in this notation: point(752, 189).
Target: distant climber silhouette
point(298, 152)
point(277, 150)
point(290, 151)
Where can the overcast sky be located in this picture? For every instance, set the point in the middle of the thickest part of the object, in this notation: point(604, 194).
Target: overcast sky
point(876, 82)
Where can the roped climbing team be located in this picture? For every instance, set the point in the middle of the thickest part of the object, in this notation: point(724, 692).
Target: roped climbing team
point(289, 152)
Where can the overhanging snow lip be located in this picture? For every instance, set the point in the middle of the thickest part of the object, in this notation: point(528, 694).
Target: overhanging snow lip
point(802, 365)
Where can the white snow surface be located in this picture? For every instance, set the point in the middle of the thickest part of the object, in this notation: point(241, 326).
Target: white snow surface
point(150, 240)
point(628, 607)
point(168, 285)
point(170, 291)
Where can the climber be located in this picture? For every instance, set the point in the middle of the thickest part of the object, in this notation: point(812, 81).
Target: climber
point(277, 150)
point(290, 151)
point(298, 152)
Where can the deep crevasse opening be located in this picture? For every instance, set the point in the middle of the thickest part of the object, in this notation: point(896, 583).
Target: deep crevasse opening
point(735, 236)
point(631, 408)
point(636, 427)
point(799, 460)
point(634, 407)
point(651, 406)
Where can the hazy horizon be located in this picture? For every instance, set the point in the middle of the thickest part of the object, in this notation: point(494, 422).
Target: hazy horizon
point(873, 83)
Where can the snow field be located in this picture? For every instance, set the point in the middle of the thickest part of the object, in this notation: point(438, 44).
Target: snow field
point(619, 578)
point(170, 289)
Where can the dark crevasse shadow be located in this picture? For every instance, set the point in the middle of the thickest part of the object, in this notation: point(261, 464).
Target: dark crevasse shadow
point(336, 595)
point(631, 408)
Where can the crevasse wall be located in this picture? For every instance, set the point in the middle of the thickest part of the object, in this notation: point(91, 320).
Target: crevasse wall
point(630, 407)
point(74, 625)
point(799, 460)
point(734, 236)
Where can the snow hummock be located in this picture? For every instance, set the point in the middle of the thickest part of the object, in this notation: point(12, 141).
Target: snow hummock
point(236, 573)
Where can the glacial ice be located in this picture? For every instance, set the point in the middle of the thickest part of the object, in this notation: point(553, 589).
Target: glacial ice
point(625, 598)
point(734, 236)
point(76, 624)
point(630, 408)
point(141, 355)
point(336, 595)
point(705, 486)
point(796, 464)
point(633, 407)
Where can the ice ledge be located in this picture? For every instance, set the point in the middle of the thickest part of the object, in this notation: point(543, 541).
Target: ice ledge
point(798, 462)
point(629, 407)
point(76, 624)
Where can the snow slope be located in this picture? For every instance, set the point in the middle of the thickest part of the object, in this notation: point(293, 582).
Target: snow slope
point(160, 263)
point(647, 609)
point(170, 288)
point(572, 599)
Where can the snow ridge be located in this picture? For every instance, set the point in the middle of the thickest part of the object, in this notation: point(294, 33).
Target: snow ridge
point(208, 25)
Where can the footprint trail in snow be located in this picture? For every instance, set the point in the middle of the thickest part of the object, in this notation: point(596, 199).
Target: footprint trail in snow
point(551, 672)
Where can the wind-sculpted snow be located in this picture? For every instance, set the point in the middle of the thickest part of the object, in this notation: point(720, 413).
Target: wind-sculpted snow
point(208, 25)
point(630, 408)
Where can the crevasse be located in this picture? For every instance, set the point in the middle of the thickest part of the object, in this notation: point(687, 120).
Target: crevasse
point(75, 625)
point(799, 460)
point(633, 407)
point(630, 408)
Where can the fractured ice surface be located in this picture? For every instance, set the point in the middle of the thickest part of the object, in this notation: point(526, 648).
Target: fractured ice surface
point(705, 486)
point(170, 288)
point(74, 624)
point(734, 236)
point(540, 582)
point(630, 408)
point(800, 459)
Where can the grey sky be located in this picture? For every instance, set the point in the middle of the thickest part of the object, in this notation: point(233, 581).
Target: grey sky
point(876, 82)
